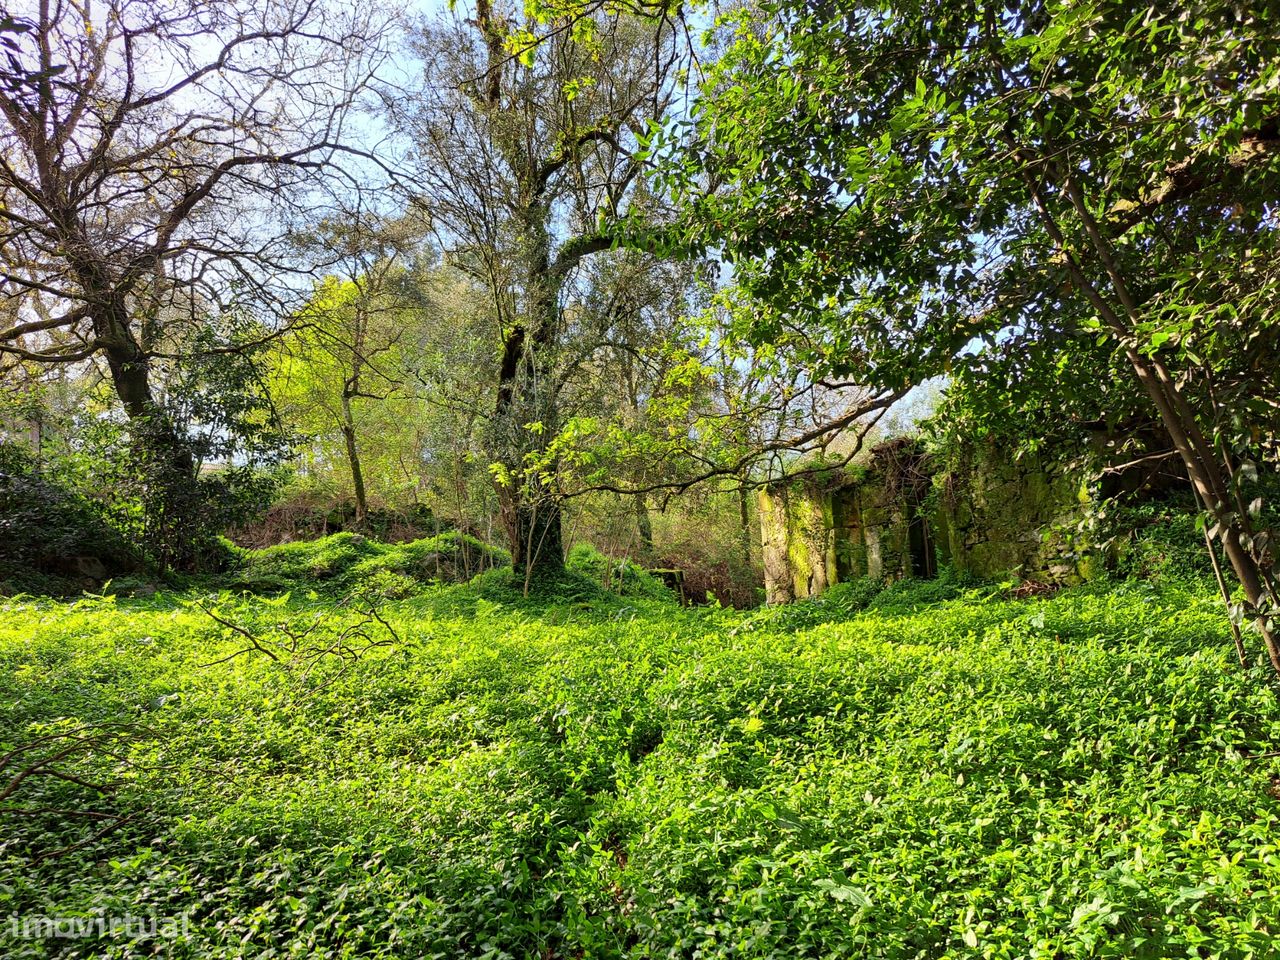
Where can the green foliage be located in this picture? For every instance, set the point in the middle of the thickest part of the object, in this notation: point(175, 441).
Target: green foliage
point(449, 556)
point(162, 501)
point(703, 537)
point(148, 486)
point(843, 600)
point(575, 774)
point(911, 248)
point(623, 577)
point(1065, 207)
point(52, 537)
point(289, 564)
point(204, 457)
point(1159, 541)
point(1164, 539)
point(344, 366)
point(347, 560)
point(585, 559)
point(837, 602)
point(909, 594)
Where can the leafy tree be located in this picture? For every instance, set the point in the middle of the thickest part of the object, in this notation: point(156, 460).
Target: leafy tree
point(353, 343)
point(918, 189)
point(151, 155)
point(528, 160)
point(624, 328)
point(380, 377)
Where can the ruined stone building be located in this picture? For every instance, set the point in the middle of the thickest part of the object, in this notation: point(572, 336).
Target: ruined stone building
point(986, 513)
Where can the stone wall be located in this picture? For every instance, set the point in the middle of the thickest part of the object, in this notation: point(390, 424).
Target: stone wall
point(998, 516)
point(901, 515)
point(798, 535)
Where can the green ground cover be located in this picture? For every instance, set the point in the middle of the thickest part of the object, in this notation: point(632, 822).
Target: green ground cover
point(929, 771)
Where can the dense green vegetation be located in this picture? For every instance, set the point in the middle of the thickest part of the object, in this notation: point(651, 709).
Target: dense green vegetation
point(403, 416)
point(606, 269)
point(347, 561)
point(928, 770)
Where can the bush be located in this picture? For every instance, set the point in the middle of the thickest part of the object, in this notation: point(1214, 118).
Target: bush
point(842, 600)
point(623, 577)
point(144, 477)
point(585, 559)
point(715, 572)
point(448, 558)
point(838, 602)
point(307, 513)
point(310, 561)
point(53, 541)
point(347, 560)
point(911, 593)
point(1158, 540)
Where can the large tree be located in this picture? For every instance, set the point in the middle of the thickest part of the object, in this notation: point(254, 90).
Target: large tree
point(346, 366)
point(528, 165)
point(151, 157)
point(919, 189)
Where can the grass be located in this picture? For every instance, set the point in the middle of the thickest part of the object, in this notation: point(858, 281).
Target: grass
point(931, 771)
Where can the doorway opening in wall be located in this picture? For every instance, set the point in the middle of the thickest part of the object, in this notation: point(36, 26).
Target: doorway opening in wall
point(923, 562)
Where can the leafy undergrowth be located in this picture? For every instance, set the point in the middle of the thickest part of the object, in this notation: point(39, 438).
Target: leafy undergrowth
point(466, 772)
point(346, 561)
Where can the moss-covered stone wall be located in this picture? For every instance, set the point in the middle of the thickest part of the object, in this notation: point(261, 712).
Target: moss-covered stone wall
point(996, 515)
point(984, 512)
point(798, 536)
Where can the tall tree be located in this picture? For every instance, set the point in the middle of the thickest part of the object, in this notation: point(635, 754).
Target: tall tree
point(626, 326)
point(529, 164)
point(354, 342)
point(149, 154)
point(919, 187)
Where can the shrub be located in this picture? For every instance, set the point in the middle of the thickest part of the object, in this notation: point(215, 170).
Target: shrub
point(714, 571)
point(148, 486)
point(585, 559)
point(1160, 539)
point(346, 560)
point(623, 577)
point(52, 540)
point(838, 602)
point(308, 561)
point(910, 593)
point(842, 600)
point(448, 558)
point(1157, 541)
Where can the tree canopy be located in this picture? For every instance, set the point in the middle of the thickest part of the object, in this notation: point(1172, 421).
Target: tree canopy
point(1022, 196)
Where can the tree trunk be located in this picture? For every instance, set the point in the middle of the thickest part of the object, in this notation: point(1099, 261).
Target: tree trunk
point(353, 458)
point(643, 524)
point(529, 502)
point(1207, 473)
point(1207, 478)
point(131, 376)
point(350, 390)
point(173, 509)
point(534, 531)
point(744, 519)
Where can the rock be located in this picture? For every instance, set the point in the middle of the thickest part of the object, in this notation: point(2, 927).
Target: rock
point(89, 567)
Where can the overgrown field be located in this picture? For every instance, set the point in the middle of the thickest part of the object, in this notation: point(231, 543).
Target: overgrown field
point(462, 772)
